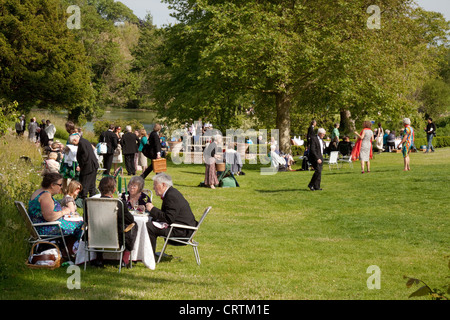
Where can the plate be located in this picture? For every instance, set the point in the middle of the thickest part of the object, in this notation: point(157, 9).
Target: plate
point(73, 218)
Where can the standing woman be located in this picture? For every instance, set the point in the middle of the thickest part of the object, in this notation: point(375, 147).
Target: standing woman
point(155, 148)
point(363, 147)
point(117, 158)
point(142, 160)
point(210, 163)
point(407, 142)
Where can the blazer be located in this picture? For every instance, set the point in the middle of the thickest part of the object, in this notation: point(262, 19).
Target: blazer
point(129, 143)
point(309, 135)
point(155, 144)
point(314, 151)
point(111, 139)
point(174, 209)
point(86, 157)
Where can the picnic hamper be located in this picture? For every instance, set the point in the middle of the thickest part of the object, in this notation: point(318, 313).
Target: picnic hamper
point(35, 257)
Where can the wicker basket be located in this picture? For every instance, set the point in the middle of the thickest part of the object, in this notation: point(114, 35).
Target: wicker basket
point(159, 165)
point(220, 167)
point(34, 259)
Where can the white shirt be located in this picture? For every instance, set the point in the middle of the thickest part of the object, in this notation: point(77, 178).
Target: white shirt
point(321, 145)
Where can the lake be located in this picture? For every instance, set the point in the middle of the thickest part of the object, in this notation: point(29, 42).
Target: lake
point(147, 118)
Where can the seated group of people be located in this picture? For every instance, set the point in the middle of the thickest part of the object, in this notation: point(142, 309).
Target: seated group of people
point(43, 207)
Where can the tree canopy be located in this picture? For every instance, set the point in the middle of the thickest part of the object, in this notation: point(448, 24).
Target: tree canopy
point(294, 58)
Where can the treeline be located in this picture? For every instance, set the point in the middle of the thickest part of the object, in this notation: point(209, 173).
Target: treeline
point(45, 62)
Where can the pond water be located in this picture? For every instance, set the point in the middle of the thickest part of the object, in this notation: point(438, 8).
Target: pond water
point(147, 118)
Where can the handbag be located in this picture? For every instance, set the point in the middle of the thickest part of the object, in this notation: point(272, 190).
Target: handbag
point(146, 150)
point(102, 148)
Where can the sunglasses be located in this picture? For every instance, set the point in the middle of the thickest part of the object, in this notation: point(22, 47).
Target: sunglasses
point(59, 184)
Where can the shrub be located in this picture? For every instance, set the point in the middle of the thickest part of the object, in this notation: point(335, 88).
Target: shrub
point(19, 179)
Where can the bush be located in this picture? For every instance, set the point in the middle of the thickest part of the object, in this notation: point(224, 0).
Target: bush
point(19, 179)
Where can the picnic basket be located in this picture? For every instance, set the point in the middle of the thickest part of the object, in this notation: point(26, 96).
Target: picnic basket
point(159, 165)
point(34, 257)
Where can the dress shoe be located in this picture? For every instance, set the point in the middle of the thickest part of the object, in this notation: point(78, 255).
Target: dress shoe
point(311, 188)
point(318, 189)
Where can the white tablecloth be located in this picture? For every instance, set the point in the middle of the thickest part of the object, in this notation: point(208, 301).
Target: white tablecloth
point(142, 247)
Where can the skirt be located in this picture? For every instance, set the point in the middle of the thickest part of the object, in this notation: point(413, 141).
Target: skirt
point(211, 175)
point(142, 160)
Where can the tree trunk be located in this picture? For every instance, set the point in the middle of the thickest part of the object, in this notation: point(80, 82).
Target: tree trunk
point(347, 125)
point(283, 101)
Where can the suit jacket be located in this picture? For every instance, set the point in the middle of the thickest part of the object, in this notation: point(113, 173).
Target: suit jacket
point(86, 157)
point(155, 144)
point(314, 151)
point(111, 139)
point(174, 209)
point(129, 143)
point(309, 135)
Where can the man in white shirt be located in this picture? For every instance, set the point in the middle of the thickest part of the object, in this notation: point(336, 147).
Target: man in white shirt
point(51, 130)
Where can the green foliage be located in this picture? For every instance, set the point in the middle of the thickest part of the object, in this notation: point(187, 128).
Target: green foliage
point(19, 179)
point(7, 115)
point(41, 63)
point(426, 290)
point(295, 59)
point(103, 125)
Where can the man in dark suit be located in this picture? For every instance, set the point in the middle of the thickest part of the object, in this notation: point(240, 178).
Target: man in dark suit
point(174, 209)
point(316, 159)
point(87, 164)
point(130, 146)
point(310, 133)
point(155, 148)
point(112, 141)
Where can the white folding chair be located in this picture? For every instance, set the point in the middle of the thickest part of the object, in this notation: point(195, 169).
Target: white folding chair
point(346, 159)
point(333, 159)
point(34, 235)
point(102, 225)
point(184, 240)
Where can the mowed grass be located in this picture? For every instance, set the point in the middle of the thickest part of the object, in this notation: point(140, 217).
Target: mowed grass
point(272, 238)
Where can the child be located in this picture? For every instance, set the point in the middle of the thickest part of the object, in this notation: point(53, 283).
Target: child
point(51, 165)
point(73, 189)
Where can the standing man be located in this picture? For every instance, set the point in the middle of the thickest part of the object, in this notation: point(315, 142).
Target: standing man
point(316, 159)
point(174, 209)
point(112, 141)
point(87, 164)
point(155, 148)
point(310, 133)
point(431, 132)
point(129, 143)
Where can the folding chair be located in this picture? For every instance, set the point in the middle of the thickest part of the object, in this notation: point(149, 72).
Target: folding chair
point(184, 240)
point(333, 159)
point(346, 159)
point(149, 193)
point(34, 235)
point(102, 225)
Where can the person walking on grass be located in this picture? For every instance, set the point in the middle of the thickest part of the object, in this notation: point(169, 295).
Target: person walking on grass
point(407, 143)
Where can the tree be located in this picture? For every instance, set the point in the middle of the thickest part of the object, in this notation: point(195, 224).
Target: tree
point(41, 63)
point(301, 57)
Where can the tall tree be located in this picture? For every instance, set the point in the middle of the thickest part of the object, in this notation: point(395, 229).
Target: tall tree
point(41, 63)
point(300, 56)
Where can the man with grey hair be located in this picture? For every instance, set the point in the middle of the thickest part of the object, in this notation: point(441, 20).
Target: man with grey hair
point(174, 209)
point(130, 146)
point(87, 164)
point(315, 157)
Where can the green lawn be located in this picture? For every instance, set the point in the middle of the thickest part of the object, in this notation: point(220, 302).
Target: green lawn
point(272, 238)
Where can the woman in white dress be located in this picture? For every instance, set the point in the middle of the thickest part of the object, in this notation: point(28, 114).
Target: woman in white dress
point(365, 152)
point(118, 152)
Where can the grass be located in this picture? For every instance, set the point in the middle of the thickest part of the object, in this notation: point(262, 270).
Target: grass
point(273, 239)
